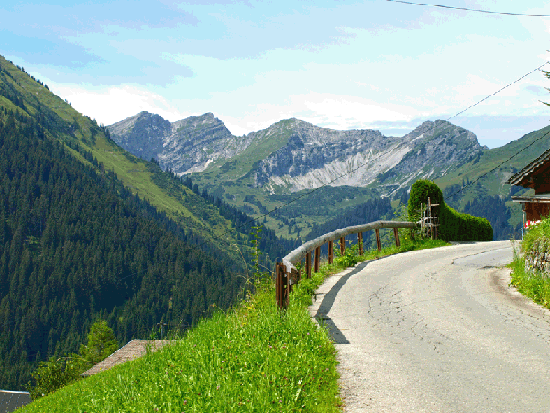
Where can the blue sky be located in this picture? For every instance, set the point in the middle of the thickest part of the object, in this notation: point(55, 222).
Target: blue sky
point(337, 64)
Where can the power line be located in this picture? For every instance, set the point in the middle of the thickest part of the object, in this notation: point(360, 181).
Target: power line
point(498, 166)
point(500, 90)
point(517, 153)
point(467, 9)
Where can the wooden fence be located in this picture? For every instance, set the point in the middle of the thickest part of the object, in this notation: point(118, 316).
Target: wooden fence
point(286, 274)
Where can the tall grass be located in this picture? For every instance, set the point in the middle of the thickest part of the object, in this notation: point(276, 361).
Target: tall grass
point(532, 283)
point(252, 358)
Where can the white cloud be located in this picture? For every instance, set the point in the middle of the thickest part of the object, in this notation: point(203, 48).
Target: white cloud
point(322, 109)
point(112, 104)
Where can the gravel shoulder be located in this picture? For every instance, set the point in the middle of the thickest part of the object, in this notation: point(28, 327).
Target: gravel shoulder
point(437, 331)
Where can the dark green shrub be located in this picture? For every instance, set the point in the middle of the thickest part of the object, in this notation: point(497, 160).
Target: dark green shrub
point(457, 226)
point(453, 225)
point(420, 191)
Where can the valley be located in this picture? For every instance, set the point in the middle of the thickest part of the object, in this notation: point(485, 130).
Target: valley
point(111, 221)
point(270, 174)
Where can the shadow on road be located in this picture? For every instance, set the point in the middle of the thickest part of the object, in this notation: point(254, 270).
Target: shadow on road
point(322, 317)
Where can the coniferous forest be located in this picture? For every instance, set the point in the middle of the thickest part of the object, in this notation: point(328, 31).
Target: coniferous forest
point(75, 246)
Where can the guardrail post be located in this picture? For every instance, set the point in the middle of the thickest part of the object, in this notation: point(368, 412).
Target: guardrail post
point(360, 242)
point(286, 288)
point(296, 276)
point(317, 258)
point(342, 245)
point(330, 252)
point(378, 243)
point(308, 265)
point(278, 284)
point(282, 286)
point(396, 235)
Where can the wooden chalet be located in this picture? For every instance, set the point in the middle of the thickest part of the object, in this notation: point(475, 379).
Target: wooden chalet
point(536, 175)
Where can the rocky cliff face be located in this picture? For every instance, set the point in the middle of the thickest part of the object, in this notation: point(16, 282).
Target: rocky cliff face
point(141, 134)
point(316, 156)
point(185, 146)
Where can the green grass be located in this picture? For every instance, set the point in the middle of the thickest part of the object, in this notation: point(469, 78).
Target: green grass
point(350, 256)
point(532, 284)
point(529, 278)
point(252, 358)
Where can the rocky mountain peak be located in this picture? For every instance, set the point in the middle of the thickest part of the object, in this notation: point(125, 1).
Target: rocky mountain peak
point(207, 119)
point(187, 145)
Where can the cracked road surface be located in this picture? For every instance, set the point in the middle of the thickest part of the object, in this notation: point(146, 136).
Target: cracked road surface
point(437, 331)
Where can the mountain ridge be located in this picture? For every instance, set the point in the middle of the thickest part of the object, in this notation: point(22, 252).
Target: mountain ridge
point(293, 153)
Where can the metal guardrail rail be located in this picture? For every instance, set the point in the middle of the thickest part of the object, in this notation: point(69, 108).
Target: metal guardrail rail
point(286, 273)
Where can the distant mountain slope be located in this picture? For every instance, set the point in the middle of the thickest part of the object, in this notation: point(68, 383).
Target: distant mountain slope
point(26, 96)
point(489, 196)
point(317, 156)
point(77, 245)
point(288, 159)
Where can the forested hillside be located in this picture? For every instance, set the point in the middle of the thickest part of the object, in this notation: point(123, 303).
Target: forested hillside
point(89, 231)
point(497, 209)
point(26, 96)
point(76, 245)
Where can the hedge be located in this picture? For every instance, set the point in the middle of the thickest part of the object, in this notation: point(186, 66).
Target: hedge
point(453, 225)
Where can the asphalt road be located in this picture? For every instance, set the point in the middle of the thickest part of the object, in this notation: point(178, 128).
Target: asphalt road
point(438, 331)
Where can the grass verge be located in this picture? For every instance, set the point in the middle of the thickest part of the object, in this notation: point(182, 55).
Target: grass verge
point(252, 358)
point(532, 284)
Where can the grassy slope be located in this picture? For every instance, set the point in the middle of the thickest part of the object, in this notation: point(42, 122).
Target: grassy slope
point(138, 175)
point(493, 157)
point(251, 359)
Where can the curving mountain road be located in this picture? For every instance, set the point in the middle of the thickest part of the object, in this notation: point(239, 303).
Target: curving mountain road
point(437, 331)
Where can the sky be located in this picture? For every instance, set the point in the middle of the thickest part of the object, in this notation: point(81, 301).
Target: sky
point(374, 64)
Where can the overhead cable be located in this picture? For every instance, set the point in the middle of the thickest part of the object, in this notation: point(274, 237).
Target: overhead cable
point(468, 9)
point(499, 165)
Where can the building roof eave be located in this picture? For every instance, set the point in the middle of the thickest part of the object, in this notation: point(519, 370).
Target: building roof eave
point(519, 176)
point(533, 198)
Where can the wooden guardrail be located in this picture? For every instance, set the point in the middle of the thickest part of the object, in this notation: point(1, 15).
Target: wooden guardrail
point(286, 273)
